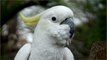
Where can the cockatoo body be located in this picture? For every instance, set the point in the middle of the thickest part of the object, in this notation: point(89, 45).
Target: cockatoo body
point(54, 29)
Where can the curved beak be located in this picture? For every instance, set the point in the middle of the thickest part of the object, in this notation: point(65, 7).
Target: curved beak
point(69, 21)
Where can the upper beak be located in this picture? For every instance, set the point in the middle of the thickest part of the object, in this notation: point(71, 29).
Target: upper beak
point(69, 22)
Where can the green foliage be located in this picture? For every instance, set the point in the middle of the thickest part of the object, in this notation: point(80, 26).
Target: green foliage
point(95, 29)
point(89, 33)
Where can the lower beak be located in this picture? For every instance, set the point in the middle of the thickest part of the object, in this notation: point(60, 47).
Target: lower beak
point(69, 22)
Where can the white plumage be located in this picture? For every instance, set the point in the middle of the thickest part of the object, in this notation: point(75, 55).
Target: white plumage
point(50, 36)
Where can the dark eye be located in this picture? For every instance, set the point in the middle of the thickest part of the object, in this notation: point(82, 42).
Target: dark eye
point(53, 18)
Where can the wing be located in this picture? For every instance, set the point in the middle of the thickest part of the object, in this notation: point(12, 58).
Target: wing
point(68, 55)
point(24, 52)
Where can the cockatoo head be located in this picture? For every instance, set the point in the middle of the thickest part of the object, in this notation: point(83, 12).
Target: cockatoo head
point(56, 23)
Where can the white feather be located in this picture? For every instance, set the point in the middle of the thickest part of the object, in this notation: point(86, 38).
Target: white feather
point(68, 55)
point(24, 52)
point(49, 37)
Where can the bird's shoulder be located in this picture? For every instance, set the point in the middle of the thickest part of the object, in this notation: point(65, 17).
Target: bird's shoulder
point(68, 54)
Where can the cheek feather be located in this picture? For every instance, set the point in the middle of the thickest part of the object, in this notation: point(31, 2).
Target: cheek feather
point(46, 25)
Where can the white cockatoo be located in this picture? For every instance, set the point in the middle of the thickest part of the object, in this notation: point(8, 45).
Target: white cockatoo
point(54, 29)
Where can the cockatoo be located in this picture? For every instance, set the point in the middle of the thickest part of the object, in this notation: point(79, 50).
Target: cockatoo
point(54, 29)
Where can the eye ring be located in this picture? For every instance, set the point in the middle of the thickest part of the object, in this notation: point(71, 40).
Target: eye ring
point(53, 18)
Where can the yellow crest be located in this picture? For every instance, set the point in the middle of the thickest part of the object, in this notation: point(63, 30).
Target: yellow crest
point(30, 21)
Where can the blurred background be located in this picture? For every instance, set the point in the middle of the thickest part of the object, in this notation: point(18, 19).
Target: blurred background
point(89, 42)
